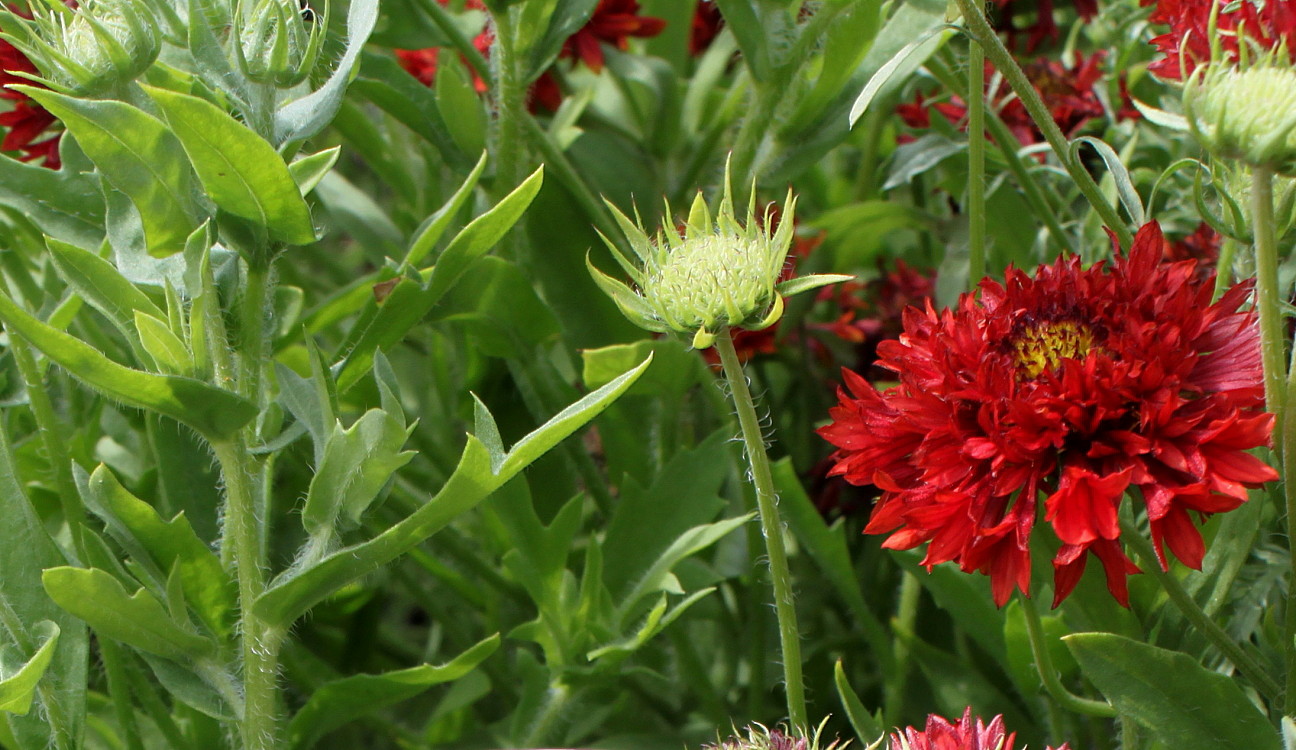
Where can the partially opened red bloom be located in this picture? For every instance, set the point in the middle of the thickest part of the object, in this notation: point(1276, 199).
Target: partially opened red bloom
point(943, 734)
point(1262, 26)
point(1077, 384)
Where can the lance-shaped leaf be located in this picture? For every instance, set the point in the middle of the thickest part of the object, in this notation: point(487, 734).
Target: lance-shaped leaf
point(99, 283)
point(342, 701)
point(1187, 706)
point(241, 172)
point(139, 156)
point(214, 412)
point(383, 326)
point(18, 689)
point(357, 463)
point(162, 546)
point(292, 594)
point(138, 620)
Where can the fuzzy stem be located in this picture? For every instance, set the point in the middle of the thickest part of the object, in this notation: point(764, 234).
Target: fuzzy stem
point(1007, 65)
point(51, 435)
point(976, 165)
point(556, 699)
point(252, 328)
point(1044, 665)
point(510, 101)
point(1224, 268)
point(771, 527)
point(260, 643)
point(1231, 649)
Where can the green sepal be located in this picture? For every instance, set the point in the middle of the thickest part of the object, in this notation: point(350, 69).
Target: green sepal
point(630, 304)
point(801, 284)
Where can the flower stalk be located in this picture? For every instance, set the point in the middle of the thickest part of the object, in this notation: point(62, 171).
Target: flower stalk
point(1048, 673)
point(976, 164)
point(1267, 298)
point(771, 528)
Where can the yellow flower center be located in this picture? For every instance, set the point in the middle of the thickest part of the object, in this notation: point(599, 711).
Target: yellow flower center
point(1042, 346)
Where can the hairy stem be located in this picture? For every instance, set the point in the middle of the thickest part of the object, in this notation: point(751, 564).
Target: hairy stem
point(771, 527)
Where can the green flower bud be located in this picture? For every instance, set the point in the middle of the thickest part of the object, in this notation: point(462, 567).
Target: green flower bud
point(715, 274)
point(1245, 113)
point(278, 44)
point(90, 50)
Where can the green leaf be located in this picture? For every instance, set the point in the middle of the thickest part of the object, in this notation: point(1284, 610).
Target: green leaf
point(138, 620)
point(342, 701)
point(309, 170)
point(162, 546)
point(800, 284)
point(241, 172)
point(658, 576)
point(139, 156)
point(1129, 196)
point(434, 226)
point(1187, 706)
point(384, 83)
point(304, 117)
point(214, 412)
point(18, 689)
point(647, 520)
point(65, 204)
point(657, 620)
point(866, 725)
point(409, 301)
point(291, 595)
point(99, 283)
point(900, 66)
point(167, 350)
point(26, 548)
point(461, 105)
point(356, 465)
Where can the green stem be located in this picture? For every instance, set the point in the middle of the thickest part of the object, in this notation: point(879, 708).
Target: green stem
point(1288, 446)
point(906, 617)
point(771, 527)
point(1008, 146)
point(51, 435)
point(1049, 675)
point(1233, 651)
point(555, 701)
point(510, 103)
point(252, 312)
point(1267, 303)
point(260, 643)
point(976, 165)
point(120, 694)
point(1007, 66)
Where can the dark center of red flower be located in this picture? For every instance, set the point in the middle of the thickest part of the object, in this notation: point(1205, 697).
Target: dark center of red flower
point(1040, 346)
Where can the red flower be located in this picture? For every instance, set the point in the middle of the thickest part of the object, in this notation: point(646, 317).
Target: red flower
point(1075, 383)
point(1068, 93)
point(706, 26)
point(27, 121)
point(943, 734)
point(1267, 26)
point(613, 22)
